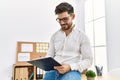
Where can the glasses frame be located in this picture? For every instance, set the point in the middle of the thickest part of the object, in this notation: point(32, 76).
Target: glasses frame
point(65, 19)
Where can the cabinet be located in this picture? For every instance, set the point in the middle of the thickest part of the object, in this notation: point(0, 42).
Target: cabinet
point(24, 72)
point(28, 51)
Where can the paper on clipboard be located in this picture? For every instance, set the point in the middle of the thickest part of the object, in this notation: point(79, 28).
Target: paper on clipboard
point(23, 56)
point(27, 48)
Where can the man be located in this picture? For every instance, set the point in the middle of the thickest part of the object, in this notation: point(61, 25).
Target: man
point(68, 46)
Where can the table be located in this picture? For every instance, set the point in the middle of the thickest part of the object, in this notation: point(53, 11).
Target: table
point(111, 75)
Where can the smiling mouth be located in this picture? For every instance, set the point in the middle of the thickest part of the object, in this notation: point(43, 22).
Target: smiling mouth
point(64, 25)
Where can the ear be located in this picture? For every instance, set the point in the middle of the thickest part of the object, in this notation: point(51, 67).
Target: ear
point(73, 16)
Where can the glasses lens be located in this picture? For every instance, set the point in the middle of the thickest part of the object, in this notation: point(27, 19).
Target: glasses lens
point(65, 19)
point(57, 20)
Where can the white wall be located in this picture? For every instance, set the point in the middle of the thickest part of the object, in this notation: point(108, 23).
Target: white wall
point(26, 20)
point(113, 33)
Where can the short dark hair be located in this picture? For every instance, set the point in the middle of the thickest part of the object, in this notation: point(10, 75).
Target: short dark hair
point(64, 7)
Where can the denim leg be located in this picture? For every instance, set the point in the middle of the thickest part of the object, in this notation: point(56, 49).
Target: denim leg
point(72, 75)
point(51, 75)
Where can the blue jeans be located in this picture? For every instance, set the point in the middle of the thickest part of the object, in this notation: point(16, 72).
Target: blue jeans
point(54, 75)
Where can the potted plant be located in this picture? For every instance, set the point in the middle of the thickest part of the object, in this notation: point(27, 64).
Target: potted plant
point(90, 74)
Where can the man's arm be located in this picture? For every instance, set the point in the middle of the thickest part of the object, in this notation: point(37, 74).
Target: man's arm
point(51, 50)
point(87, 57)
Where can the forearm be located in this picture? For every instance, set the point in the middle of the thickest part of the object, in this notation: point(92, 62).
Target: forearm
point(82, 65)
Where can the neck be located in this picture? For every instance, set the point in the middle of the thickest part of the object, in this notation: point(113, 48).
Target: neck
point(69, 30)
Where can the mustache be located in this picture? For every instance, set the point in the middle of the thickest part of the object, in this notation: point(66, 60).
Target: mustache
point(63, 24)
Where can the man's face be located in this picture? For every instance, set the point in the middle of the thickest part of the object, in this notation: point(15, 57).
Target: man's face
point(65, 20)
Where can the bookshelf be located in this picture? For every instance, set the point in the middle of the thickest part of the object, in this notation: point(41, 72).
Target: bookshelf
point(27, 51)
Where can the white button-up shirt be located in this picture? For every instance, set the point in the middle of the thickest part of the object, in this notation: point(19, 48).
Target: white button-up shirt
point(73, 49)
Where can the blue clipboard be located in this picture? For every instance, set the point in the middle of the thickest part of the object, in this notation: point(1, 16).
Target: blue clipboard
point(46, 64)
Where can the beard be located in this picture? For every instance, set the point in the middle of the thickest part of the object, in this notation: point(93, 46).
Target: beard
point(66, 26)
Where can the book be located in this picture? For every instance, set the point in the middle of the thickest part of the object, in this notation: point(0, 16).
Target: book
point(46, 64)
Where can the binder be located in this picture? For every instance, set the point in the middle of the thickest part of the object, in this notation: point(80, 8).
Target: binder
point(25, 73)
point(17, 73)
point(46, 64)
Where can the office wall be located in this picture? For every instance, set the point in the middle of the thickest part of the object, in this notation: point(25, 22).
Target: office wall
point(27, 20)
point(113, 33)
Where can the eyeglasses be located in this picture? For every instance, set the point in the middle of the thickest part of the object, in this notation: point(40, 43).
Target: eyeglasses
point(65, 19)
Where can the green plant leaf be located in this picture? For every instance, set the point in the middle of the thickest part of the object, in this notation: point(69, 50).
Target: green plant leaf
point(90, 73)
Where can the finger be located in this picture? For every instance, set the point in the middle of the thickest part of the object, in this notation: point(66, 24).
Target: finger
point(55, 67)
point(61, 71)
point(58, 67)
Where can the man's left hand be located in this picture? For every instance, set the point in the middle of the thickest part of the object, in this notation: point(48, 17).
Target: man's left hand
point(63, 69)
